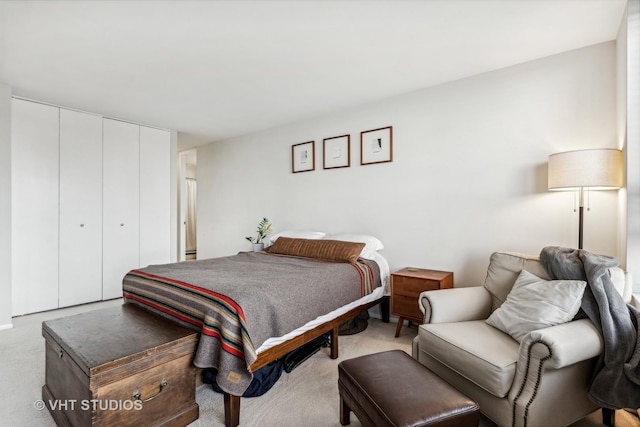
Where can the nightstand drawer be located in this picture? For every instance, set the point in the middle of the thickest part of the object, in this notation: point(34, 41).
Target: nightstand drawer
point(413, 286)
point(407, 285)
point(406, 306)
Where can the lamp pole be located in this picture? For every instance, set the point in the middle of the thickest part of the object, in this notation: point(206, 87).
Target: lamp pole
point(580, 216)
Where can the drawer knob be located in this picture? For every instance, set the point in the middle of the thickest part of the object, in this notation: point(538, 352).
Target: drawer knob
point(138, 396)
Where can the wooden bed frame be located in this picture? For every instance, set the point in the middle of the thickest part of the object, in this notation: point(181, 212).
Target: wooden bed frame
point(232, 402)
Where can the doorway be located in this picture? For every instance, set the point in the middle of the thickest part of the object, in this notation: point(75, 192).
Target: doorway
point(188, 247)
point(191, 246)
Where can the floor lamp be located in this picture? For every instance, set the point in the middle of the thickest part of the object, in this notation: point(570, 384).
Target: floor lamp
point(599, 169)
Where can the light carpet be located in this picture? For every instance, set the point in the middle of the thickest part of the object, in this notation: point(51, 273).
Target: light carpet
point(308, 396)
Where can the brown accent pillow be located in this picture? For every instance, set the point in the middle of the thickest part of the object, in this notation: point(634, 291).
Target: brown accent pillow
point(331, 250)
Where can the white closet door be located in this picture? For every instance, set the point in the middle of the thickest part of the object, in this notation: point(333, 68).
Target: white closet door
point(121, 204)
point(34, 206)
point(80, 208)
point(155, 196)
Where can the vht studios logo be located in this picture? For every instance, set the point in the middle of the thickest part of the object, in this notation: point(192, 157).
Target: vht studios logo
point(86, 405)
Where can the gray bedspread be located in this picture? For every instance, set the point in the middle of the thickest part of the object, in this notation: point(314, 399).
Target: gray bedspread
point(616, 380)
point(237, 302)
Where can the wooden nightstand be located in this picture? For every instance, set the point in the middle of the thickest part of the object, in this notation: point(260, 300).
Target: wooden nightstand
point(406, 286)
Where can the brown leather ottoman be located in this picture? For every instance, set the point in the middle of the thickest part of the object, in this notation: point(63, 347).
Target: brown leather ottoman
point(393, 389)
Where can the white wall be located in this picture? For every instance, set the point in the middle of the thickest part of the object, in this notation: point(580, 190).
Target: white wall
point(175, 214)
point(629, 60)
point(468, 175)
point(621, 126)
point(5, 206)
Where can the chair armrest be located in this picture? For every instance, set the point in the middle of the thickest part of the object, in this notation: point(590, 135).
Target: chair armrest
point(455, 304)
point(562, 345)
point(554, 348)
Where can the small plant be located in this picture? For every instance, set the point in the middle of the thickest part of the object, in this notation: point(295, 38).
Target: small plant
point(264, 229)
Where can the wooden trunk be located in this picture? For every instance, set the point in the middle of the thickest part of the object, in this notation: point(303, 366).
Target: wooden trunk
point(119, 366)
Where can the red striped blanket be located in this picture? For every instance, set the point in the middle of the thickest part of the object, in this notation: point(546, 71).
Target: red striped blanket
point(238, 302)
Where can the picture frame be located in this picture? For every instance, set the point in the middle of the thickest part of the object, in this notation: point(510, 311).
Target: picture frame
point(376, 146)
point(303, 157)
point(336, 152)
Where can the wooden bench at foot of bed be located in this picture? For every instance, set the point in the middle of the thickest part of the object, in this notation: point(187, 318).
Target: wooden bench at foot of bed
point(131, 356)
point(232, 402)
point(120, 366)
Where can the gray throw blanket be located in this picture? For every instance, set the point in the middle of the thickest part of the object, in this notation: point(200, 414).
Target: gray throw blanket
point(616, 380)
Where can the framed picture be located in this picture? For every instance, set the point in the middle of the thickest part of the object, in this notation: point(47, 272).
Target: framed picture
point(376, 146)
point(336, 152)
point(303, 157)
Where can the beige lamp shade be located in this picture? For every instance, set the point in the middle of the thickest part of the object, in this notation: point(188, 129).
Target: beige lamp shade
point(599, 169)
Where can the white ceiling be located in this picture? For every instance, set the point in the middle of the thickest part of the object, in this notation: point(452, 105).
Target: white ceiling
point(217, 69)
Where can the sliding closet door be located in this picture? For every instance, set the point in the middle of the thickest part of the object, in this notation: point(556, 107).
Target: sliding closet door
point(34, 206)
point(155, 196)
point(80, 208)
point(121, 201)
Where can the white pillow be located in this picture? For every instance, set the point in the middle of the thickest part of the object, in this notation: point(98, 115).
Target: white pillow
point(535, 303)
point(371, 244)
point(297, 234)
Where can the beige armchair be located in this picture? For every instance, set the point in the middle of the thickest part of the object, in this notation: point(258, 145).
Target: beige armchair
point(541, 381)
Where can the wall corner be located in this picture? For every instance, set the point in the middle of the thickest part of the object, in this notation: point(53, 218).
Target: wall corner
point(5, 208)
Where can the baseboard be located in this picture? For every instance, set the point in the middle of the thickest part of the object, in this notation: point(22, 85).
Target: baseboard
point(6, 326)
point(375, 313)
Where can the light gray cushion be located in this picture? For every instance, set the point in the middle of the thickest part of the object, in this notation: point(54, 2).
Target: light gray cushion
point(475, 350)
point(535, 303)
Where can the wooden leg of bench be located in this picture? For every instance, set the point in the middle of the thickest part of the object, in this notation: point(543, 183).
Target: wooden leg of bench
point(608, 417)
point(334, 343)
point(345, 412)
point(231, 410)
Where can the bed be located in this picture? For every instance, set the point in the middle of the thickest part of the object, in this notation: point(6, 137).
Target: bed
point(253, 308)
